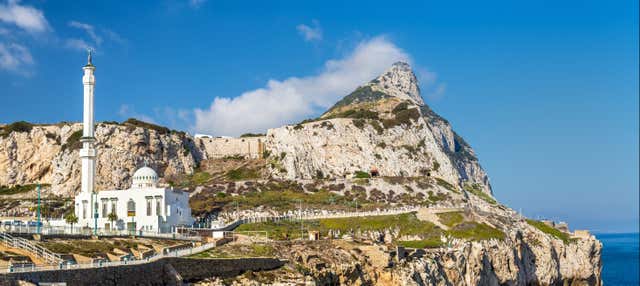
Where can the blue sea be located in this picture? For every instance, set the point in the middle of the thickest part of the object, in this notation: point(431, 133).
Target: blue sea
point(620, 259)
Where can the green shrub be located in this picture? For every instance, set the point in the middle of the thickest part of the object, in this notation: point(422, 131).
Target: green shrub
point(361, 94)
point(406, 116)
point(550, 230)
point(408, 224)
point(412, 150)
point(390, 123)
point(382, 145)
point(451, 218)
point(236, 157)
point(475, 231)
point(146, 125)
point(82, 247)
point(19, 126)
point(362, 114)
point(377, 126)
point(200, 178)
point(422, 143)
point(308, 120)
point(436, 165)
point(73, 141)
point(328, 125)
point(446, 185)
point(400, 107)
point(252, 135)
point(436, 197)
point(17, 189)
point(476, 189)
point(243, 174)
point(362, 175)
point(359, 123)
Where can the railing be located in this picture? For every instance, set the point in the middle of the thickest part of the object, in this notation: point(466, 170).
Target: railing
point(99, 264)
point(314, 216)
point(54, 230)
point(37, 250)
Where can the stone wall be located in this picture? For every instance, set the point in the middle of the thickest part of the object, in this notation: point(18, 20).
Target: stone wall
point(166, 271)
point(214, 148)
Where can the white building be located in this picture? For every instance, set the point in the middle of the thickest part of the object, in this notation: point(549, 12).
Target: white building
point(144, 206)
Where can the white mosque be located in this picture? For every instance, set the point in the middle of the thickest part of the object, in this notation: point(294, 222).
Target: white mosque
point(142, 207)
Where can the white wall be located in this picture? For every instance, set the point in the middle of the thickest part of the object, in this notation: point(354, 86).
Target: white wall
point(174, 209)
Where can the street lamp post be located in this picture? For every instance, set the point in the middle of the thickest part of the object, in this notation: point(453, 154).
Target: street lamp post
point(95, 212)
point(38, 212)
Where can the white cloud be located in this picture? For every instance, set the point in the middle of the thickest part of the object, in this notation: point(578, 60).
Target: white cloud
point(25, 17)
point(115, 37)
point(196, 3)
point(14, 57)
point(310, 33)
point(88, 29)
point(96, 37)
point(296, 98)
point(78, 44)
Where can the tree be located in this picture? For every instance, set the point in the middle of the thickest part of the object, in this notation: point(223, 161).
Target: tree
point(71, 219)
point(112, 217)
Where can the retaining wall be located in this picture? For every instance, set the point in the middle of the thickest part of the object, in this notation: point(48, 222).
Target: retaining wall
point(251, 147)
point(166, 271)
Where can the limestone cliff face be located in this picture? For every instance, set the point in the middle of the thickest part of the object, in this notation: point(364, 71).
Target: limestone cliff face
point(531, 260)
point(388, 128)
point(337, 148)
point(48, 154)
point(527, 257)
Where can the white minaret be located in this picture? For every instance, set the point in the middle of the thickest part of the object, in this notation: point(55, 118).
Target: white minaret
point(87, 153)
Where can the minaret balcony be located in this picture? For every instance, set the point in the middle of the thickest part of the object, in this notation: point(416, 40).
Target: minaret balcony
point(89, 139)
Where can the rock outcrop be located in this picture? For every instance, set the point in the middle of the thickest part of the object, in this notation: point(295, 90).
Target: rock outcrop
point(48, 154)
point(382, 126)
point(525, 258)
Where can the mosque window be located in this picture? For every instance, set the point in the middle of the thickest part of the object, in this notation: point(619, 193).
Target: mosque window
point(158, 206)
point(148, 206)
point(113, 206)
point(131, 208)
point(84, 209)
point(104, 208)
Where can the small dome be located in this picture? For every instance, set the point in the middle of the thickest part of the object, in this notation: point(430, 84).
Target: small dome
point(145, 177)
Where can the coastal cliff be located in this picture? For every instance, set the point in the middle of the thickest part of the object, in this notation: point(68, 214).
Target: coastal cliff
point(380, 146)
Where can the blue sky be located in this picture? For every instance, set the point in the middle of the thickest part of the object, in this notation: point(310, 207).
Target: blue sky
point(545, 92)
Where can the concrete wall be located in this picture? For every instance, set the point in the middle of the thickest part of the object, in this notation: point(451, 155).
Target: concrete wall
point(221, 147)
point(166, 271)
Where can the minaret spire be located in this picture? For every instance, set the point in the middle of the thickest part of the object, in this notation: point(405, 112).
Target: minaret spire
point(88, 153)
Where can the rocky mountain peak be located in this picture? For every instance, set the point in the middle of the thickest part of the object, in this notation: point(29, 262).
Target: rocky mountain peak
point(399, 81)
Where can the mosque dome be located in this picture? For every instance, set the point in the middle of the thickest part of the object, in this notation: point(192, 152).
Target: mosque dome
point(145, 177)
